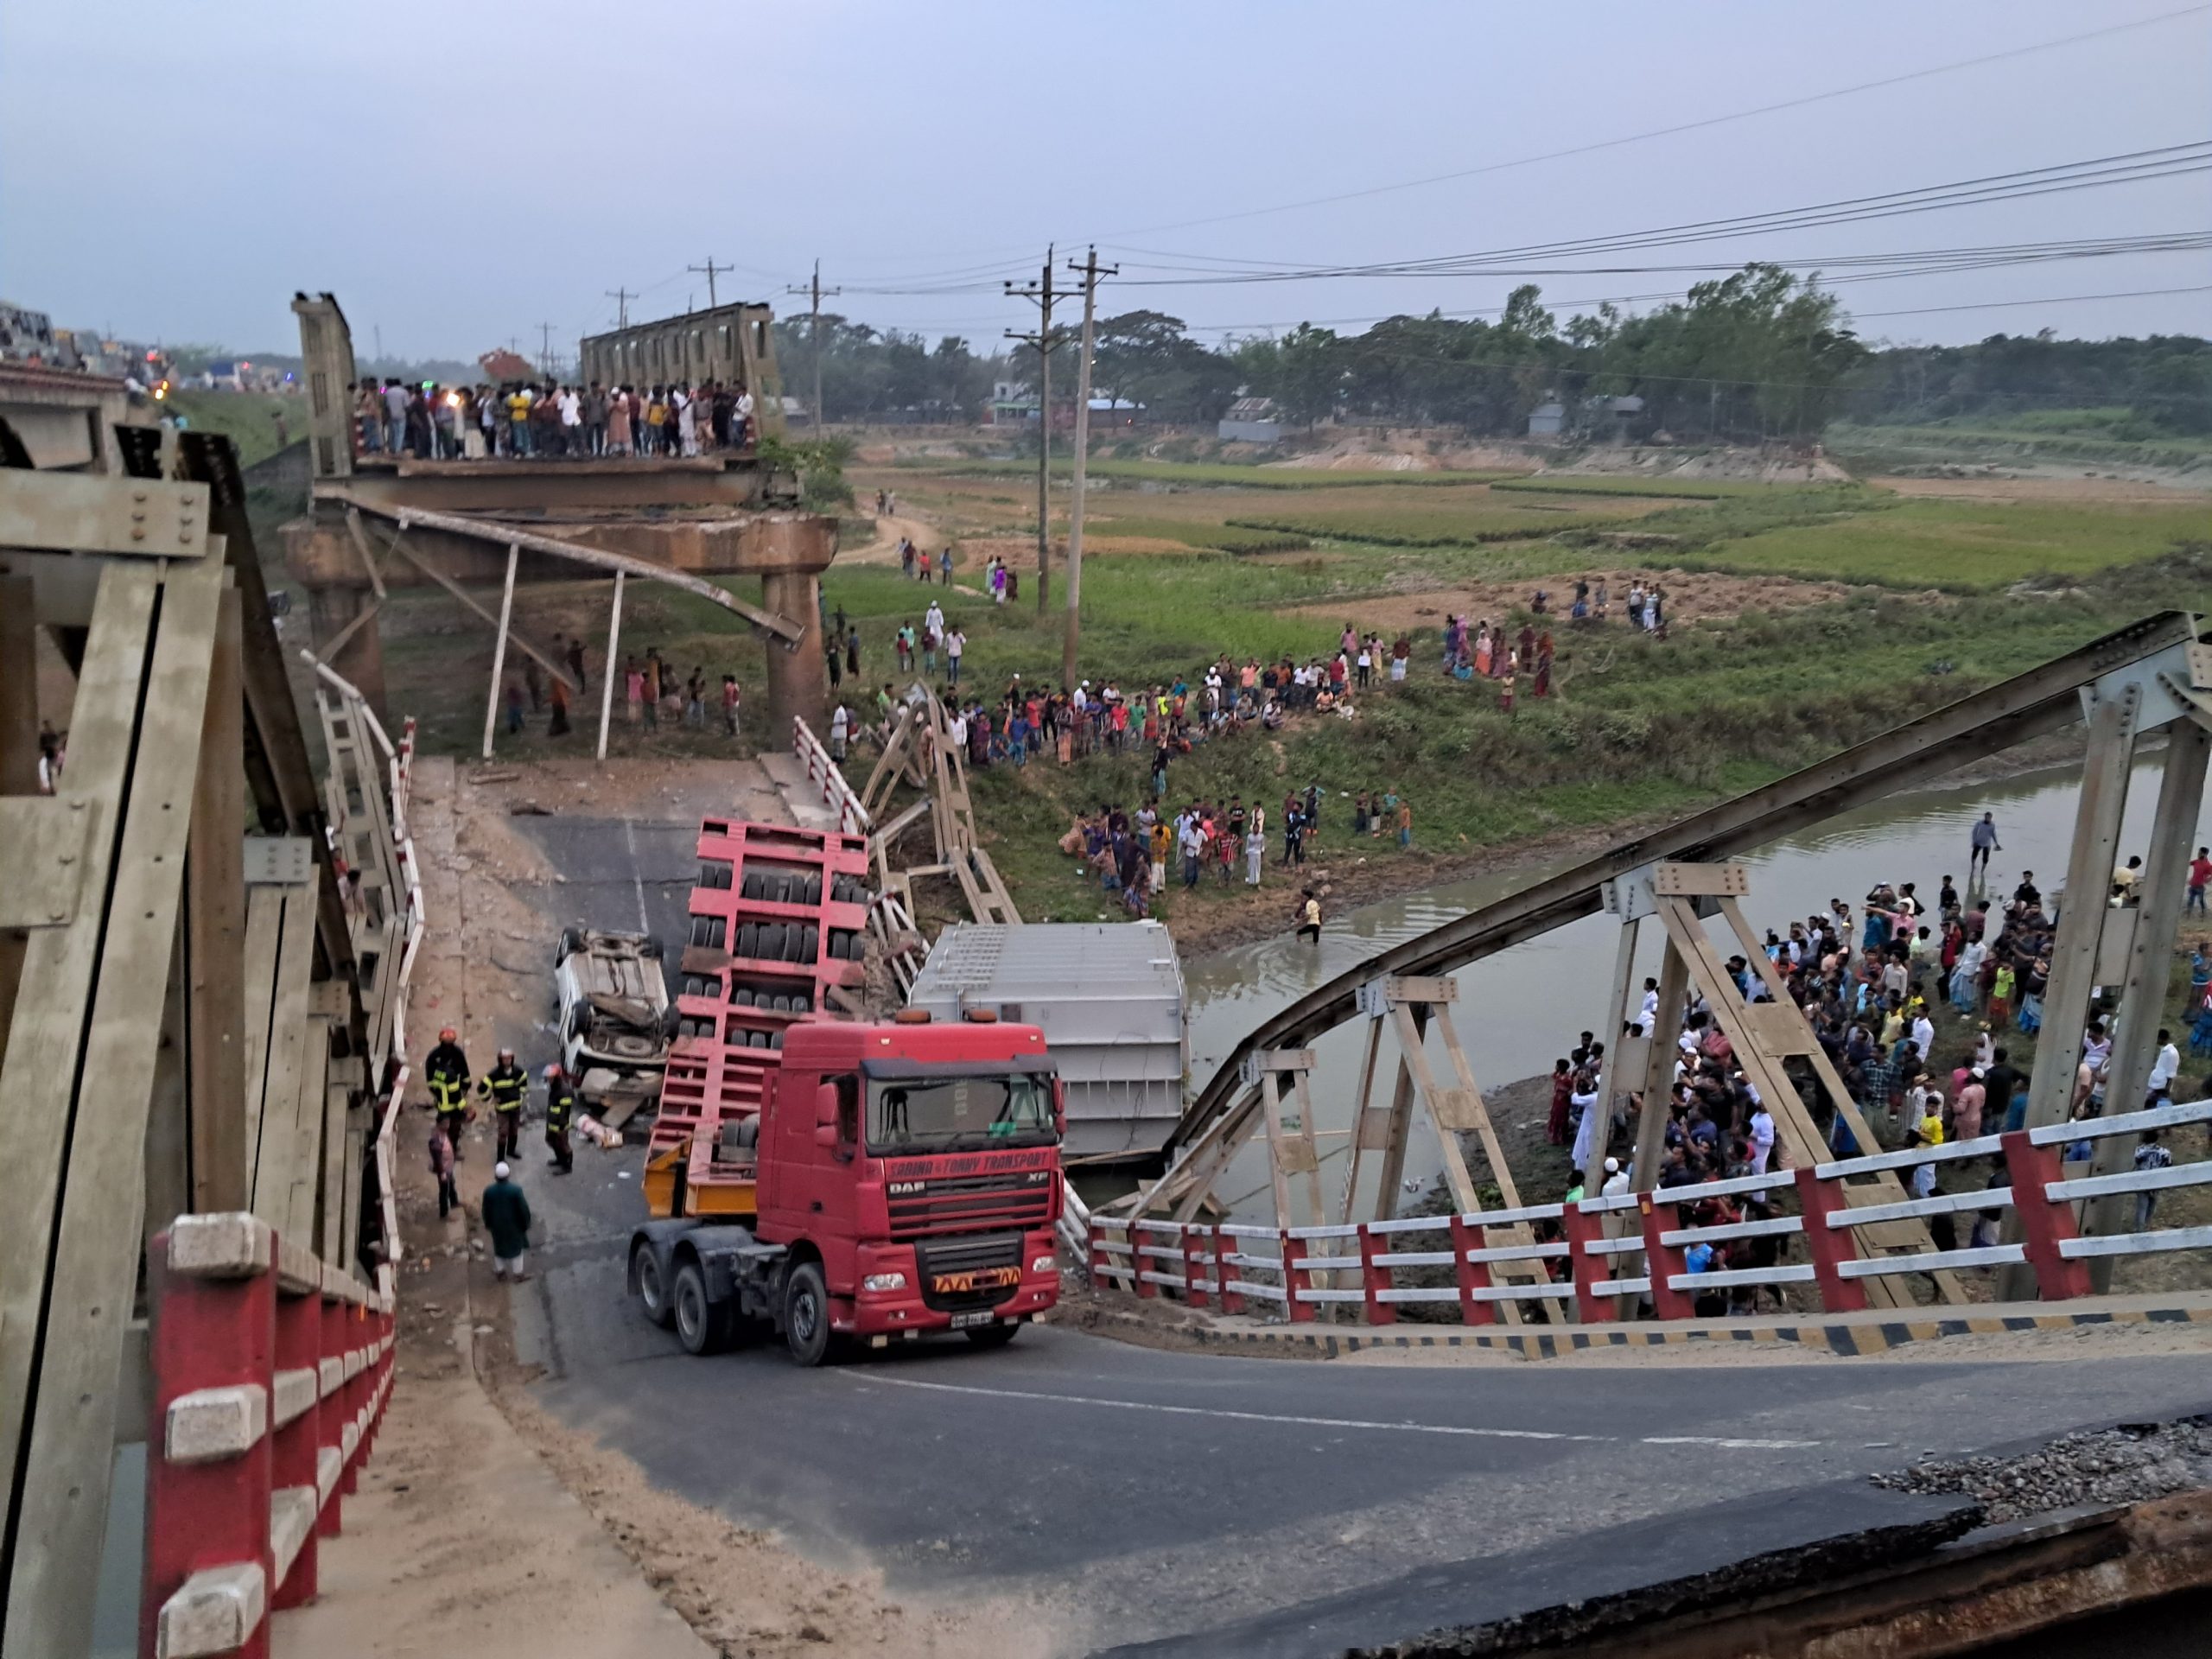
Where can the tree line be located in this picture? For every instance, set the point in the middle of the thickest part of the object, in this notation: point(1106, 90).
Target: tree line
point(1759, 355)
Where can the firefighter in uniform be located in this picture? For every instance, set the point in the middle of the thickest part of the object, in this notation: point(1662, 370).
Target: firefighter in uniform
point(447, 1072)
point(560, 1110)
point(506, 1083)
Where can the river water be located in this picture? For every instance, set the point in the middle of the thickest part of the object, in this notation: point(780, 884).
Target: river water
point(1523, 1009)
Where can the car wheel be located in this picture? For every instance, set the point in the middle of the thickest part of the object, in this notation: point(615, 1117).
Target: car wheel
point(700, 1325)
point(993, 1336)
point(571, 942)
point(806, 1315)
point(646, 1284)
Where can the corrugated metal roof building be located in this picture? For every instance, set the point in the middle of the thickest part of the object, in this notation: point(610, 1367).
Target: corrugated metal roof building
point(1108, 997)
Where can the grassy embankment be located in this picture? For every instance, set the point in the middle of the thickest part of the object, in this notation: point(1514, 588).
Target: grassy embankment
point(2056, 437)
point(1635, 728)
point(252, 420)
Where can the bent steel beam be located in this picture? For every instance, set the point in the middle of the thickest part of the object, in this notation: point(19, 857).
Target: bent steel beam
point(2043, 699)
point(784, 628)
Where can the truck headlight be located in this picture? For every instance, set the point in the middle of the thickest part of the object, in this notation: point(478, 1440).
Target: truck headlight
point(1046, 1264)
point(884, 1282)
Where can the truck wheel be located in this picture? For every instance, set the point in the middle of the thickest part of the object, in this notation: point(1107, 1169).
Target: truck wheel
point(806, 1314)
point(646, 1286)
point(701, 1326)
point(813, 893)
point(755, 884)
point(571, 942)
point(993, 1336)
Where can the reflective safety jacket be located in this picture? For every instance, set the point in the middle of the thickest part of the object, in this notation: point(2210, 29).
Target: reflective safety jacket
point(560, 1105)
point(506, 1084)
point(446, 1071)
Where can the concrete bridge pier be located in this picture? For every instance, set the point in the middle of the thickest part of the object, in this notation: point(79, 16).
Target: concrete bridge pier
point(799, 681)
point(343, 614)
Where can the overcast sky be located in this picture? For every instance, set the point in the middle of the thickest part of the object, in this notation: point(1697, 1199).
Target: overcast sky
point(459, 173)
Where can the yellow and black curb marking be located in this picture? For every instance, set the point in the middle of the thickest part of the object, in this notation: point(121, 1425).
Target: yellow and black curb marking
point(1844, 1340)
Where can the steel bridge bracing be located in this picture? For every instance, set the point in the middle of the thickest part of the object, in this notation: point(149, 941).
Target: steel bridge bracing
point(2154, 674)
point(184, 1028)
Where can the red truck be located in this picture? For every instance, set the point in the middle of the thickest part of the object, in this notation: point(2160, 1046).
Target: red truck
point(898, 1178)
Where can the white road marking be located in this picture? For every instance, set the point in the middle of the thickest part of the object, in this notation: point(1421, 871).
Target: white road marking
point(1308, 1422)
point(637, 876)
point(1727, 1442)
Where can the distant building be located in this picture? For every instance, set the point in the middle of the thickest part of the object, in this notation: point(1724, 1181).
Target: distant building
point(1546, 420)
point(27, 336)
point(1251, 420)
point(1014, 402)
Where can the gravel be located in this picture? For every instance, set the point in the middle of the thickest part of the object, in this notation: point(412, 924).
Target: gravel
point(2102, 1467)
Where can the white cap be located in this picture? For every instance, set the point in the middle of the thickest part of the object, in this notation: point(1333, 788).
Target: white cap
point(1612, 1165)
point(499, 1171)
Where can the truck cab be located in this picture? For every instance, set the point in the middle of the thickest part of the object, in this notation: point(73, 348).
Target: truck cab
point(905, 1178)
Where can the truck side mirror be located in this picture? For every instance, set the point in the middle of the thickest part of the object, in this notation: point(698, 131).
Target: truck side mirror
point(1060, 1108)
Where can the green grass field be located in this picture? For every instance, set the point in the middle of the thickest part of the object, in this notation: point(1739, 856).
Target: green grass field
point(1960, 546)
point(1687, 489)
point(249, 419)
point(1423, 525)
point(1232, 536)
point(1195, 474)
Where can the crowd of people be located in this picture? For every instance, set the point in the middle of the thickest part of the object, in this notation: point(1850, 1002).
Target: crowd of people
point(521, 419)
point(1871, 986)
point(651, 691)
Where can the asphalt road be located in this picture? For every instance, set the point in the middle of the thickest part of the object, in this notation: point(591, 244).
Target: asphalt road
point(1223, 1505)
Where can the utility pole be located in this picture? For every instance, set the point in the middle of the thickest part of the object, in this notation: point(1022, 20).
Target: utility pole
point(545, 349)
point(815, 290)
point(710, 268)
point(1042, 295)
point(621, 296)
point(1091, 270)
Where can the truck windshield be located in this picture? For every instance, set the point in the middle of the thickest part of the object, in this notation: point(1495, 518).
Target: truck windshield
point(942, 1114)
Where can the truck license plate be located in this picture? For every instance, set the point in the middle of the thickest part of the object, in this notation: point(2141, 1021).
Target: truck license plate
point(978, 1316)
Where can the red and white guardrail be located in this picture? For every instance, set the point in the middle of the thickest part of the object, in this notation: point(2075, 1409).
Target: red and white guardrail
point(1355, 1264)
point(271, 1372)
point(829, 778)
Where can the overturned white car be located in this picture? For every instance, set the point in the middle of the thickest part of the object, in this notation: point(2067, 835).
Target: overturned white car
point(616, 1019)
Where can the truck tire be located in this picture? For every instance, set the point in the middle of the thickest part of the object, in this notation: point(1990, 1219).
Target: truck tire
point(993, 1336)
point(701, 1325)
point(806, 1314)
point(754, 881)
point(748, 939)
point(571, 942)
point(813, 893)
point(646, 1284)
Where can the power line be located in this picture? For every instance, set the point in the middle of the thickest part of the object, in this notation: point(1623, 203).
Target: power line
point(2049, 299)
point(2096, 173)
point(1046, 339)
point(710, 268)
point(621, 296)
point(1603, 144)
point(813, 337)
